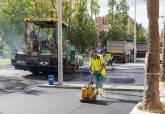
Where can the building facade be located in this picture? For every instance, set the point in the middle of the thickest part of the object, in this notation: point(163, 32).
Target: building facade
point(102, 23)
point(104, 26)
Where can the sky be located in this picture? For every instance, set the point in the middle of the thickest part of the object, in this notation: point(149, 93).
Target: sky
point(141, 12)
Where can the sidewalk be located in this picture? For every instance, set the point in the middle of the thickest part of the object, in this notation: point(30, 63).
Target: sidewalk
point(162, 100)
point(106, 87)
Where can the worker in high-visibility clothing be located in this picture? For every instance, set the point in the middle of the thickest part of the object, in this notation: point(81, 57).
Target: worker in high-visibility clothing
point(97, 69)
point(109, 60)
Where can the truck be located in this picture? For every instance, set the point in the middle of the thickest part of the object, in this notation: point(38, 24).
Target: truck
point(122, 51)
point(142, 48)
point(40, 54)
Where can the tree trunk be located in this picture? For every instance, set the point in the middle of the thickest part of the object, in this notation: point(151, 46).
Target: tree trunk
point(163, 58)
point(152, 99)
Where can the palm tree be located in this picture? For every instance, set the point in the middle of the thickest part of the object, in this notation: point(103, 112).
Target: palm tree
point(152, 99)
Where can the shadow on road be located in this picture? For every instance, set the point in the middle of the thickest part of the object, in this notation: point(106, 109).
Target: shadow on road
point(13, 84)
point(98, 102)
point(109, 101)
point(121, 80)
point(123, 96)
point(122, 100)
point(9, 84)
point(67, 77)
point(35, 77)
point(33, 92)
point(126, 94)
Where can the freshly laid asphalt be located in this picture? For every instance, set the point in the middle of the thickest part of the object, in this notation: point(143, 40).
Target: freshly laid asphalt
point(20, 94)
point(67, 101)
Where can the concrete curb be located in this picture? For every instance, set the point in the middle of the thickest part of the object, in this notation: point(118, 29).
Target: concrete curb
point(161, 85)
point(137, 111)
point(162, 100)
point(106, 87)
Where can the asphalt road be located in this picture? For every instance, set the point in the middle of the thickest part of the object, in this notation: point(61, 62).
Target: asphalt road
point(122, 74)
point(20, 93)
point(66, 101)
point(12, 80)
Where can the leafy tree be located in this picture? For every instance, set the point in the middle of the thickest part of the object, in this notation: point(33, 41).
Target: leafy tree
point(141, 36)
point(12, 14)
point(111, 6)
point(83, 27)
point(118, 19)
point(11, 21)
point(94, 8)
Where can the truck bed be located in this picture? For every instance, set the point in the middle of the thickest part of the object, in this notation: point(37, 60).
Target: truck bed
point(121, 50)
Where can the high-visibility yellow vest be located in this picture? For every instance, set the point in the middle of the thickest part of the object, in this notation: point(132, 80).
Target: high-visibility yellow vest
point(103, 71)
point(109, 57)
point(96, 64)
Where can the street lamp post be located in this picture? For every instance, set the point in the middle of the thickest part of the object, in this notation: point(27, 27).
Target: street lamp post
point(60, 49)
point(135, 31)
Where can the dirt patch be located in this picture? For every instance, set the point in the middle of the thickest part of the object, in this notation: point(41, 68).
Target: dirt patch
point(140, 107)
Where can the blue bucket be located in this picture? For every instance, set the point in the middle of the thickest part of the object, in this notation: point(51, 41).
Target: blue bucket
point(51, 79)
